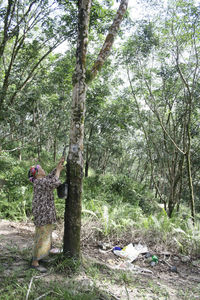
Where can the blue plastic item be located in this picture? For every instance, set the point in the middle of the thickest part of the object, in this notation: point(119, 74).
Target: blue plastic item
point(117, 248)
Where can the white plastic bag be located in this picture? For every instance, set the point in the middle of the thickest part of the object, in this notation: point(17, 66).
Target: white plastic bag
point(131, 252)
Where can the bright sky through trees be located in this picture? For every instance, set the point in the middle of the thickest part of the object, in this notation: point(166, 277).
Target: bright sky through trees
point(139, 9)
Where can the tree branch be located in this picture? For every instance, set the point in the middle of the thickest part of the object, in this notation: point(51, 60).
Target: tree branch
point(31, 74)
point(159, 119)
point(105, 50)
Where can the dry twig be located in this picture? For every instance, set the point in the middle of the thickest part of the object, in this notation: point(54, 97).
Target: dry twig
point(127, 293)
point(30, 284)
point(43, 295)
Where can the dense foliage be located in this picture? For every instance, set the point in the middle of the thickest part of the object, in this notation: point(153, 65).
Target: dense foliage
point(142, 116)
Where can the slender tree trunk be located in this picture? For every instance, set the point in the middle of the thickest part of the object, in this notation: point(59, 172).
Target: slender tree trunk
point(192, 203)
point(86, 168)
point(5, 30)
point(38, 148)
point(171, 203)
point(179, 195)
point(188, 162)
point(105, 50)
point(190, 98)
point(54, 149)
point(75, 156)
point(87, 159)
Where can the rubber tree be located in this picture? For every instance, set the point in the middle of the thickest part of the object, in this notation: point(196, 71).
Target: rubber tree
point(81, 79)
point(166, 78)
point(29, 29)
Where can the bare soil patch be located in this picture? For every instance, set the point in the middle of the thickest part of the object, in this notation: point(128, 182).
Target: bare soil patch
point(174, 277)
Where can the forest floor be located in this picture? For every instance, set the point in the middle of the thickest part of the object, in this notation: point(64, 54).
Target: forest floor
point(174, 277)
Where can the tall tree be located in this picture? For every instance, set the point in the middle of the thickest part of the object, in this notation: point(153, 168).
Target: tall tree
point(75, 155)
point(28, 30)
point(164, 73)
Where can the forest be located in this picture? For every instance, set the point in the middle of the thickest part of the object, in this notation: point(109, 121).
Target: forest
point(117, 84)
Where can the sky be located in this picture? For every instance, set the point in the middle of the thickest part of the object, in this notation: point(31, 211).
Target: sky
point(136, 12)
point(139, 9)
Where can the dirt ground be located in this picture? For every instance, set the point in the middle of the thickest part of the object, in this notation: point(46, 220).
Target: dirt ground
point(174, 277)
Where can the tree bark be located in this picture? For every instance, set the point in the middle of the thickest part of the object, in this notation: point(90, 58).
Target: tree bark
point(105, 50)
point(75, 155)
point(75, 163)
point(190, 99)
point(87, 156)
point(54, 149)
point(192, 202)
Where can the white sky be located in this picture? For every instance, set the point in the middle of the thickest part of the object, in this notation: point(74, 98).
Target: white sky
point(139, 9)
point(136, 12)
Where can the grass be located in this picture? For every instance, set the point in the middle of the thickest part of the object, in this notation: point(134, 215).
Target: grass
point(105, 217)
point(31, 285)
point(118, 220)
point(66, 265)
point(189, 293)
point(70, 279)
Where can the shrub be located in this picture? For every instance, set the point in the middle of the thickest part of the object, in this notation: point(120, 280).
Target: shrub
point(16, 191)
point(119, 188)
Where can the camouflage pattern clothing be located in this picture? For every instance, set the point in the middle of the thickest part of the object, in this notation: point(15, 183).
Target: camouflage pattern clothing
point(43, 206)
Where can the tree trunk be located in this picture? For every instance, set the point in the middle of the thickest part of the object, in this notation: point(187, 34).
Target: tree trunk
point(75, 156)
point(188, 161)
point(190, 99)
point(192, 202)
point(75, 164)
point(54, 149)
point(87, 158)
point(86, 167)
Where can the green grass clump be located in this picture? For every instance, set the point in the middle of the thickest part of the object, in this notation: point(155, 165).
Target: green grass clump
point(66, 265)
point(112, 219)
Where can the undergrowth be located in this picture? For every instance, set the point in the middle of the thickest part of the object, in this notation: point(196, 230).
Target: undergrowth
point(114, 207)
point(115, 221)
point(115, 218)
point(14, 287)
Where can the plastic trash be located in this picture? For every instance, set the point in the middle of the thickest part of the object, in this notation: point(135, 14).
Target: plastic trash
point(130, 252)
point(128, 266)
point(117, 248)
point(148, 254)
point(155, 259)
point(173, 269)
point(152, 263)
